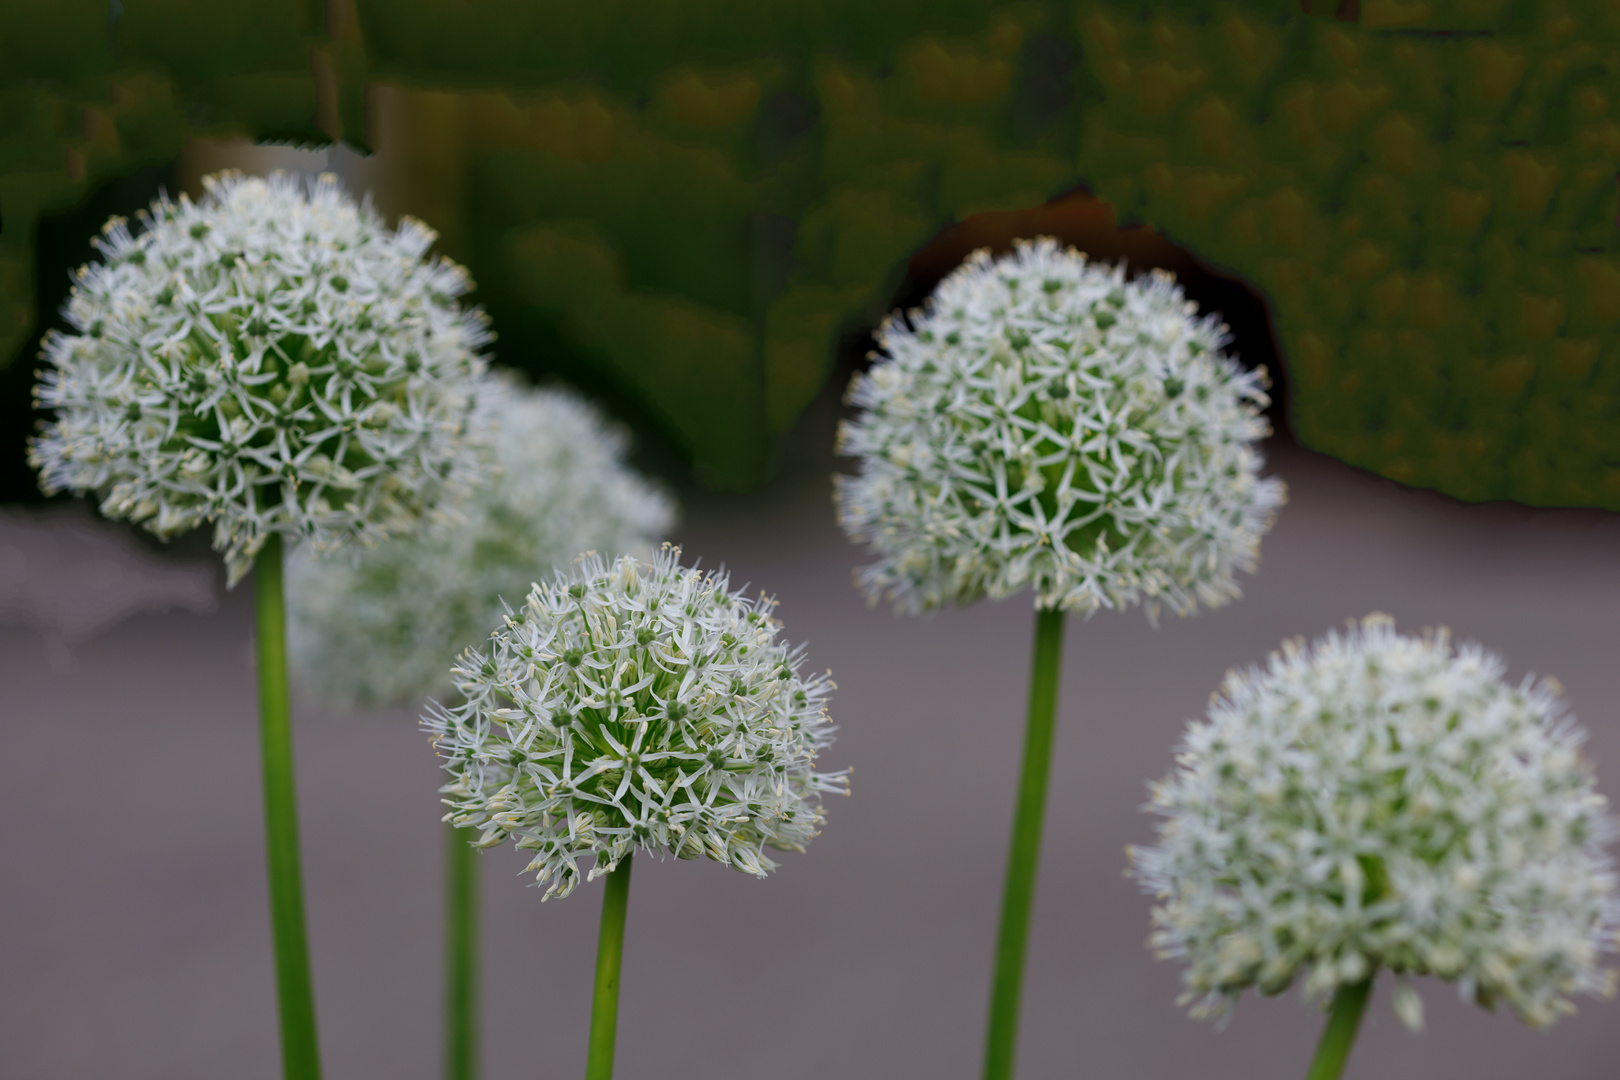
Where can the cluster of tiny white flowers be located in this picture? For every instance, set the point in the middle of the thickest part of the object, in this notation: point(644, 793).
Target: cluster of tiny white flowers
point(1044, 422)
point(382, 625)
point(636, 705)
point(273, 359)
point(1378, 800)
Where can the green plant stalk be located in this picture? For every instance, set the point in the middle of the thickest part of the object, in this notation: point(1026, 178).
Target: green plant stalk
point(1340, 1033)
point(461, 956)
point(295, 995)
point(609, 952)
point(1023, 858)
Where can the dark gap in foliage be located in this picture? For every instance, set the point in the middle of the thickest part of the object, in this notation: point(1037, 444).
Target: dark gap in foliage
point(1087, 223)
point(62, 245)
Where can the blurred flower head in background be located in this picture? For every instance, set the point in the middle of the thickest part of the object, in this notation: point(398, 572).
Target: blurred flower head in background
point(382, 625)
point(637, 705)
point(1378, 800)
point(273, 359)
point(1045, 423)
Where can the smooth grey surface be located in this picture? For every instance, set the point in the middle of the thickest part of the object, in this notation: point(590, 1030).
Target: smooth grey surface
point(135, 940)
point(69, 578)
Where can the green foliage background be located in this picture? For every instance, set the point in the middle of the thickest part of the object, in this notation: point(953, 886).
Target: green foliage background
point(686, 201)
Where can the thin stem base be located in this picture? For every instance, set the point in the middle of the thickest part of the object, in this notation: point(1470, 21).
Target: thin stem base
point(295, 994)
point(1344, 1017)
point(461, 938)
point(609, 953)
point(1023, 857)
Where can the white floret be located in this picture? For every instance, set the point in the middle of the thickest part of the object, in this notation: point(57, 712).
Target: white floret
point(1044, 423)
point(1378, 800)
point(272, 359)
point(636, 705)
point(382, 625)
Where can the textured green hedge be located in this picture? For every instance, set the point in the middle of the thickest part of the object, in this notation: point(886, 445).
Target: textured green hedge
point(697, 209)
point(686, 202)
point(1428, 199)
point(85, 98)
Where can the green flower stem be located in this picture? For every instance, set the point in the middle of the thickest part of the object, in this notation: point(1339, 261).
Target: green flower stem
point(1018, 895)
point(609, 951)
point(461, 956)
point(295, 996)
point(1340, 1033)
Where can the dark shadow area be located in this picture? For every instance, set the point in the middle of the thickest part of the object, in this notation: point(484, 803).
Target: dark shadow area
point(62, 245)
point(1087, 223)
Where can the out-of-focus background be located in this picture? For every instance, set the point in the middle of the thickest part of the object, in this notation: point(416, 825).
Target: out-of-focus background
point(695, 213)
point(688, 208)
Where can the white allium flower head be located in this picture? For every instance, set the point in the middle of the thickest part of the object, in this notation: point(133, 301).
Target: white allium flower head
point(1045, 423)
point(1379, 800)
point(382, 625)
point(273, 359)
point(637, 705)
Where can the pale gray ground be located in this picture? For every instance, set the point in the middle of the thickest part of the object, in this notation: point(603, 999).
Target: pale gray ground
point(135, 945)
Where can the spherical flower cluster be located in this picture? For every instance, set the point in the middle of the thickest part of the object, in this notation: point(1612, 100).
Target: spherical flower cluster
point(637, 705)
point(272, 359)
point(381, 625)
point(1377, 800)
point(1044, 422)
